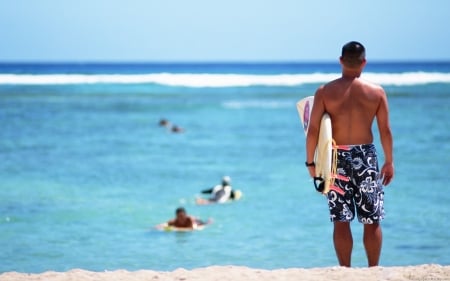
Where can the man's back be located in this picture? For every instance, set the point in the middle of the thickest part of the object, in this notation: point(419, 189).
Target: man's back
point(352, 105)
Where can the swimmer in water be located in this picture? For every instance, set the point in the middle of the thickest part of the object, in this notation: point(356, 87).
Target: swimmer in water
point(183, 220)
point(168, 125)
point(220, 193)
point(177, 129)
point(164, 123)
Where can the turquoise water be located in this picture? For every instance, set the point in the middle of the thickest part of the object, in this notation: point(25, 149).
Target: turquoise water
point(86, 172)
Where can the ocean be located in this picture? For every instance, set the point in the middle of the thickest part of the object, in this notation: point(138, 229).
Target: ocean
point(87, 172)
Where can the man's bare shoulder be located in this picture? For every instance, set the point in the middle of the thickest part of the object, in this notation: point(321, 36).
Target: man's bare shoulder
point(321, 88)
point(332, 83)
point(371, 86)
point(328, 87)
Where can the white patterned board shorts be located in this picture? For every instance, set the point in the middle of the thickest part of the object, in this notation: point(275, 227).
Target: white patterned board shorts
point(362, 191)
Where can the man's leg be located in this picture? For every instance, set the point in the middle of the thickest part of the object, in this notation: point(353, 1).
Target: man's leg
point(372, 242)
point(343, 242)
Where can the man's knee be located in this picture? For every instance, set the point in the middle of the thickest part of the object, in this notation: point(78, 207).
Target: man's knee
point(372, 226)
point(341, 225)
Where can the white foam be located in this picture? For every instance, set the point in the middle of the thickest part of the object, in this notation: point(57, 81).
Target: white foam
point(407, 78)
point(219, 80)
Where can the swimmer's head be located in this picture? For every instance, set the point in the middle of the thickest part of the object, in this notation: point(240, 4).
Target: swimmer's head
point(164, 123)
point(180, 210)
point(176, 129)
point(226, 180)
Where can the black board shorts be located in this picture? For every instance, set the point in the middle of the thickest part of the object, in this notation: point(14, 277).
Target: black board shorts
point(361, 188)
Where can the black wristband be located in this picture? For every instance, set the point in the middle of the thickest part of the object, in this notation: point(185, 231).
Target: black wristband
point(312, 164)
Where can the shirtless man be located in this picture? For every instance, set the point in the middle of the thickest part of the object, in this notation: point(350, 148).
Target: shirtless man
point(353, 104)
point(182, 219)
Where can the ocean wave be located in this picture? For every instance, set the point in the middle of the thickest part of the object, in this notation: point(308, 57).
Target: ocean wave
point(219, 80)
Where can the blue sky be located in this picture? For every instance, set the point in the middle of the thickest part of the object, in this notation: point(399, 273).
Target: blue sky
point(231, 30)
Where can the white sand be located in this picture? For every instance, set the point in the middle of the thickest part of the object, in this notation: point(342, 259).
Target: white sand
point(237, 273)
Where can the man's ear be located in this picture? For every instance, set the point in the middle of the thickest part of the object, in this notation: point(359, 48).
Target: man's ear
point(364, 62)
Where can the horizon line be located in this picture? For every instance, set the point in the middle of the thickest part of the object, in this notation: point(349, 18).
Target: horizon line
point(206, 62)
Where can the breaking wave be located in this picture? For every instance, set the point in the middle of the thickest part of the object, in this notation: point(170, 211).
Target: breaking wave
point(219, 80)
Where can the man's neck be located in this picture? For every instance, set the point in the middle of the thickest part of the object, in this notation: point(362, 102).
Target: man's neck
point(351, 73)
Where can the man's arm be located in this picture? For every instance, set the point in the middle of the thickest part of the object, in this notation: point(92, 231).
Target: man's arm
point(387, 171)
point(192, 223)
point(171, 222)
point(314, 126)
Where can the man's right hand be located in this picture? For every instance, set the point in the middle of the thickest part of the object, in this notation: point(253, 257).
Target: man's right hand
point(312, 171)
point(387, 173)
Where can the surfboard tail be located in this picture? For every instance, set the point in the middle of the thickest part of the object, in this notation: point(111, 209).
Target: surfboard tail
point(304, 107)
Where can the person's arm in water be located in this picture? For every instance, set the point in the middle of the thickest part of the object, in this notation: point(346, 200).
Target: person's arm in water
point(208, 191)
point(313, 130)
point(191, 222)
point(387, 171)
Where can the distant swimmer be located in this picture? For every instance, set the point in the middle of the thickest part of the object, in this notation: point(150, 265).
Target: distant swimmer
point(220, 193)
point(168, 125)
point(177, 129)
point(183, 220)
point(164, 123)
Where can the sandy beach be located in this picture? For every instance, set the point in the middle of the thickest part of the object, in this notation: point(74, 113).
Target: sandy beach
point(417, 273)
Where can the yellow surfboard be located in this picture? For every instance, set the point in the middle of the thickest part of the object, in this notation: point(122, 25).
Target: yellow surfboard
point(169, 228)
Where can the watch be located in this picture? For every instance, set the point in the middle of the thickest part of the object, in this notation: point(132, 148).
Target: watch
point(312, 164)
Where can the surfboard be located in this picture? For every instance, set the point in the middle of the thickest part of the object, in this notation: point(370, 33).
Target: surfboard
point(324, 150)
point(168, 228)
